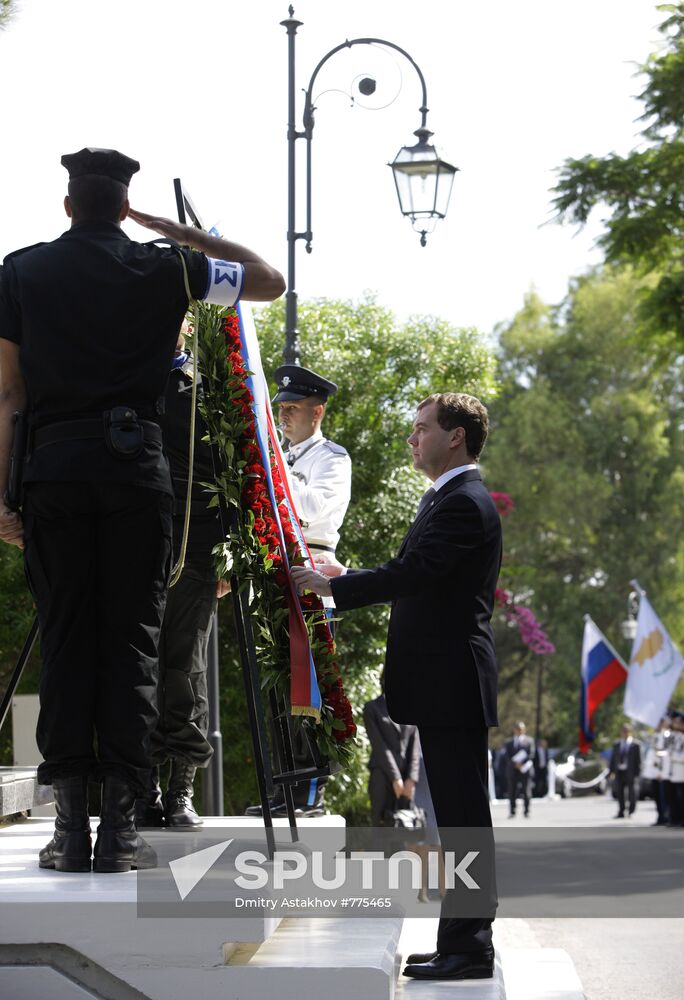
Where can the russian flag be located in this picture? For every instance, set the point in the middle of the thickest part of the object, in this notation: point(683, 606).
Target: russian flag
point(603, 671)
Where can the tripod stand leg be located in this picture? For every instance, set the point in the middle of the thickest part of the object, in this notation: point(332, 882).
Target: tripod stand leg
point(18, 670)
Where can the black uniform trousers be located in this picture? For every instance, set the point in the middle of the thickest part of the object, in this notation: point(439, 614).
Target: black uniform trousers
point(97, 558)
point(456, 767)
point(183, 706)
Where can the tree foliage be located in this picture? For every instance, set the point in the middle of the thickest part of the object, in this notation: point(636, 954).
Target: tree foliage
point(643, 190)
point(588, 439)
point(7, 12)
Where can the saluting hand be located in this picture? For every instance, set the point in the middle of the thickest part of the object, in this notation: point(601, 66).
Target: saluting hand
point(177, 231)
point(11, 527)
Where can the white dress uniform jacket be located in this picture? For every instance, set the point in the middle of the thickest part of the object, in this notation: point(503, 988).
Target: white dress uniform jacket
point(320, 479)
point(677, 759)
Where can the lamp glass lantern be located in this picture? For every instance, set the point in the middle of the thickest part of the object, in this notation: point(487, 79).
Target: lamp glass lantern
point(423, 181)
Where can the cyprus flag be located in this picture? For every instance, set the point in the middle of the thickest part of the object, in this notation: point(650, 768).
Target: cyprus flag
point(654, 668)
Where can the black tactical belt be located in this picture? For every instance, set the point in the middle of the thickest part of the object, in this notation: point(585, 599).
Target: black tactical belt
point(80, 430)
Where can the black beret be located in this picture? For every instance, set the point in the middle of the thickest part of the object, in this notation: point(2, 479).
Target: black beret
point(102, 162)
point(295, 382)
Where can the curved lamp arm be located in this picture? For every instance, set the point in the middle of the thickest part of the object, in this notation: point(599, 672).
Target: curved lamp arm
point(308, 118)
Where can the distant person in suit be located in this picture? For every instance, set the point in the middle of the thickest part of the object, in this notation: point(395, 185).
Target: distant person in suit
point(541, 769)
point(441, 671)
point(625, 767)
point(520, 760)
point(394, 761)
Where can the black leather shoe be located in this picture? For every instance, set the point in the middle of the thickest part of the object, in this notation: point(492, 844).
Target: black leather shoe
point(70, 849)
point(178, 808)
point(280, 811)
point(119, 847)
point(468, 965)
point(150, 810)
point(258, 811)
point(418, 958)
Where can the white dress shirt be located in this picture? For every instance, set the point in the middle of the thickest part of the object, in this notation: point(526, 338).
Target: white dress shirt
point(451, 474)
point(320, 479)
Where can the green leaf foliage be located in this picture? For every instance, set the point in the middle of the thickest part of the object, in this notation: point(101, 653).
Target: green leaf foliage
point(643, 190)
point(587, 437)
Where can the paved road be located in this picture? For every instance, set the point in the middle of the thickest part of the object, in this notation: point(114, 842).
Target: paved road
point(616, 959)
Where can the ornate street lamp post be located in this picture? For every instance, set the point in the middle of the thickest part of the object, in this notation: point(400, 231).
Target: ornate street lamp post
point(423, 180)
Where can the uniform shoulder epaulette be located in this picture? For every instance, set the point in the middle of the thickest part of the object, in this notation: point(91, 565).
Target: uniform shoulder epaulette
point(336, 449)
point(17, 253)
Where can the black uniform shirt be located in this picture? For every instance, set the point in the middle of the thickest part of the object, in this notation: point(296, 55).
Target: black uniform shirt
point(97, 317)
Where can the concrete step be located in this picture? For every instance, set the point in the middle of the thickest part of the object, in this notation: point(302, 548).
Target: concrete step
point(19, 791)
point(71, 937)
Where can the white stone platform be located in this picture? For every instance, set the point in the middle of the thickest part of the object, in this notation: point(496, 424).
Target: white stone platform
point(58, 927)
point(79, 937)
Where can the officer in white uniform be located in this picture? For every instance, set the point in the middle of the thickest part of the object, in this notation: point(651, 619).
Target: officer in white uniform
point(656, 769)
point(320, 481)
point(677, 771)
point(320, 470)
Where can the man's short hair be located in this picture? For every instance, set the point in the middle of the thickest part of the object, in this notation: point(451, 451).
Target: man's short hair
point(457, 409)
point(97, 199)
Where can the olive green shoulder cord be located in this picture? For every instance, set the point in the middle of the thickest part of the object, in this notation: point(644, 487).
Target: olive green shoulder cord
point(178, 568)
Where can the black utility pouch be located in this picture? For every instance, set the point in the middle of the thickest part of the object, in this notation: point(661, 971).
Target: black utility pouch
point(17, 459)
point(124, 434)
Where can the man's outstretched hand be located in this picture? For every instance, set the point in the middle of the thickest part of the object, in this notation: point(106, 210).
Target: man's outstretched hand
point(310, 579)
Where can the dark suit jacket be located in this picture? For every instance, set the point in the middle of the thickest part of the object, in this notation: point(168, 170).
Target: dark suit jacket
point(440, 662)
point(395, 749)
point(633, 760)
point(524, 743)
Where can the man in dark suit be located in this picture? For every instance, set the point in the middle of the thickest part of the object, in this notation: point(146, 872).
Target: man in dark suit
point(625, 767)
point(441, 671)
point(519, 751)
point(394, 761)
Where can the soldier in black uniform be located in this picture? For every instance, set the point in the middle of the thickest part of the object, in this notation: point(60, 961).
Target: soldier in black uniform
point(88, 328)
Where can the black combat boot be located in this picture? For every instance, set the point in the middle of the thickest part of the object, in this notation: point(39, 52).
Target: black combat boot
point(119, 847)
point(70, 848)
point(149, 811)
point(180, 812)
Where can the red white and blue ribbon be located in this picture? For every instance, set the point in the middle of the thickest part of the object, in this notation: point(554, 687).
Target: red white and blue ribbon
point(305, 696)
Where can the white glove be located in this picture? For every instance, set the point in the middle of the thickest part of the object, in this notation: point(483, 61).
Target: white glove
point(309, 579)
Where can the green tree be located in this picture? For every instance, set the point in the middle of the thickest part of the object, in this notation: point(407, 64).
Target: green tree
point(7, 12)
point(643, 190)
point(587, 439)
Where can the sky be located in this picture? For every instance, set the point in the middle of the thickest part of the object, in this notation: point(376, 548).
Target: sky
point(199, 91)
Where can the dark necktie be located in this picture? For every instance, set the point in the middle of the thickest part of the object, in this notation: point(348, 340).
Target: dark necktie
point(291, 458)
point(426, 498)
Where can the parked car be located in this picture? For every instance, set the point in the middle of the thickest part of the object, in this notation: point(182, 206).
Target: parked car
point(573, 766)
